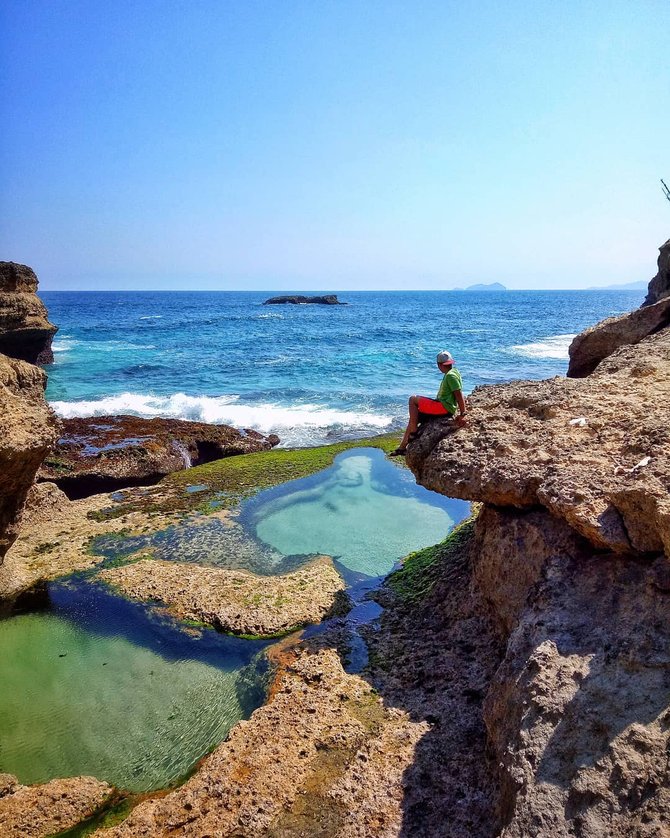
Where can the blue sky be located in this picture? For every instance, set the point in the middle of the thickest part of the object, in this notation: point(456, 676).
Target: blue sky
point(334, 145)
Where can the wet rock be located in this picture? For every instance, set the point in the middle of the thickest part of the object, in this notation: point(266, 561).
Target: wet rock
point(659, 287)
point(594, 452)
point(25, 330)
point(28, 429)
point(49, 809)
point(104, 453)
point(234, 600)
point(327, 300)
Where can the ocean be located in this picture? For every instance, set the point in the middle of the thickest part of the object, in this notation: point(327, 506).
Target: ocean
point(311, 374)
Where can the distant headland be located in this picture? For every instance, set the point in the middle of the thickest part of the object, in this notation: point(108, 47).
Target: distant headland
point(327, 300)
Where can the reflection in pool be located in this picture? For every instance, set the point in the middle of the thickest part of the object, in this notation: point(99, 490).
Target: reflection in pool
point(93, 684)
point(364, 511)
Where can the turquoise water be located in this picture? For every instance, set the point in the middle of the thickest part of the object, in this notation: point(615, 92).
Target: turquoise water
point(364, 511)
point(309, 373)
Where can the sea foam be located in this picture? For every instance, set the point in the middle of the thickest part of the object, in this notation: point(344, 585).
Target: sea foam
point(555, 346)
point(295, 424)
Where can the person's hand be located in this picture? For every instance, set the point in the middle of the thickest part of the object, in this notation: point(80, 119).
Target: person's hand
point(461, 421)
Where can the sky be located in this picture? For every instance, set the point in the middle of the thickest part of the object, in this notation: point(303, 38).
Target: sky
point(290, 145)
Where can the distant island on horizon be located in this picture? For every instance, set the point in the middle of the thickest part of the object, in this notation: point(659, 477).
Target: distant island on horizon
point(482, 286)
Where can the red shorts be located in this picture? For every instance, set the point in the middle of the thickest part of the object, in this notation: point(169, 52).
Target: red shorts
point(432, 407)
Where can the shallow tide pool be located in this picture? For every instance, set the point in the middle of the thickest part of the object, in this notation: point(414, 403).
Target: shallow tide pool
point(365, 511)
point(95, 684)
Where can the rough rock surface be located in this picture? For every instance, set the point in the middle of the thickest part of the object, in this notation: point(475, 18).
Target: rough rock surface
point(56, 533)
point(434, 658)
point(607, 474)
point(324, 757)
point(104, 453)
point(234, 600)
point(49, 809)
point(578, 714)
point(659, 287)
point(25, 330)
point(28, 429)
point(327, 300)
point(589, 348)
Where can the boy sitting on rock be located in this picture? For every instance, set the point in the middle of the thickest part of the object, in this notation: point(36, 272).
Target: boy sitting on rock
point(449, 399)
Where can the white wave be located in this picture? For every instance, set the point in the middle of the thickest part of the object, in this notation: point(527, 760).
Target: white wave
point(64, 344)
point(295, 424)
point(151, 317)
point(555, 346)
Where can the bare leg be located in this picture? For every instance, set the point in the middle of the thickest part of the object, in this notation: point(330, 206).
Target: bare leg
point(413, 423)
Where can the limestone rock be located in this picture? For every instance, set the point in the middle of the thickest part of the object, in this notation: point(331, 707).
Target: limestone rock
point(49, 809)
point(578, 711)
point(659, 287)
point(104, 453)
point(234, 600)
point(594, 451)
point(28, 429)
point(589, 348)
point(25, 330)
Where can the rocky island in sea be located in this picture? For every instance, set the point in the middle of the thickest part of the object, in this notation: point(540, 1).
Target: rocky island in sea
point(517, 678)
point(326, 300)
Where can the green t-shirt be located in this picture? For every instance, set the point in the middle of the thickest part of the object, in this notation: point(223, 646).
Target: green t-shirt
point(450, 383)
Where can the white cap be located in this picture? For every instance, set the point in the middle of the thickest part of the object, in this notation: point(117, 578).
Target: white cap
point(444, 357)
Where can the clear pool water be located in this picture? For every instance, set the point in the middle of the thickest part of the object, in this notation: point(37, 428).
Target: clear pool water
point(364, 511)
point(93, 684)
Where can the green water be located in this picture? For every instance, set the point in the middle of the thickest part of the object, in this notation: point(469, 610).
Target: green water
point(135, 709)
point(364, 511)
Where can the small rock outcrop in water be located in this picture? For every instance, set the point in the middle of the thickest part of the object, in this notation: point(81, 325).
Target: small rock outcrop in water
point(103, 453)
point(233, 600)
point(28, 429)
point(25, 330)
point(659, 287)
point(327, 300)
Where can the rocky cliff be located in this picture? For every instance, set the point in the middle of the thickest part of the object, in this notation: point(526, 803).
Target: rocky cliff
point(659, 287)
point(572, 557)
point(28, 429)
point(25, 330)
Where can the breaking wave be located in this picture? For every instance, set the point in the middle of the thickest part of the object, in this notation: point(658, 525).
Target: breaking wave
point(555, 346)
point(298, 424)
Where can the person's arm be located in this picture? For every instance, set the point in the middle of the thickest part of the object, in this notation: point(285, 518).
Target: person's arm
point(458, 395)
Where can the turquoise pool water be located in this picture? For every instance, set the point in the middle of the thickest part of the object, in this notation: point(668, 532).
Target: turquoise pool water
point(364, 511)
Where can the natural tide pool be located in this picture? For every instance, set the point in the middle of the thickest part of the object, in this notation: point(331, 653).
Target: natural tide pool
point(365, 511)
point(95, 684)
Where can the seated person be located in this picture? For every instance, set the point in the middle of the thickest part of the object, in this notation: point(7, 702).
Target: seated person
point(449, 399)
